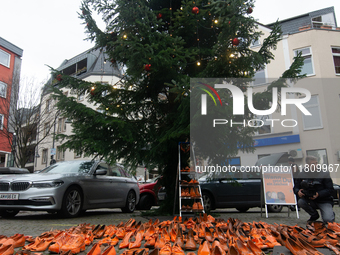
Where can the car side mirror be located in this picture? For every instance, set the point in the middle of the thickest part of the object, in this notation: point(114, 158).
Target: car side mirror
point(100, 172)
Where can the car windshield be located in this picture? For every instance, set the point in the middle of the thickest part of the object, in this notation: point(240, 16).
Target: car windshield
point(69, 167)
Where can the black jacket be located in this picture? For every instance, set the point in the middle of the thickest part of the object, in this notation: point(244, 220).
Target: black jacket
point(322, 183)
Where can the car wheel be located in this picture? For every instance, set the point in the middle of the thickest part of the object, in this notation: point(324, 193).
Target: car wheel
point(130, 202)
point(275, 208)
point(145, 202)
point(8, 213)
point(72, 202)
point(207, 201)
point(242, 209)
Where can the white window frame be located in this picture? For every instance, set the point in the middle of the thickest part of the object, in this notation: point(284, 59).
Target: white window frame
point(44, 156)
point(306, 55)
point(5, 85)
point(335, 55)
point(319, 112)
point(60, 153)
point(9, 58)
point(61, 125)
point(2, 119)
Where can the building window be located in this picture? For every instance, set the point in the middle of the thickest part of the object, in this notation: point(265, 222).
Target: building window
point(1, 121)
point(336, 59)
point(320, 154)
point(61, 125)
point(3, 89)
point(323, 20)
point(307, 67)
point(46, 128)
point(48, 105)
point(44, 156)
point(60, 153)
point(264, 126)
point(312, 121)
point(5, 58)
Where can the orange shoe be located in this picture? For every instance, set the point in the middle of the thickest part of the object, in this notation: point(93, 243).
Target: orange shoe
point(95, 250)
point(114, 241)
point(200, 206)
point(177, 250)
point(7, 249)
point(19, 240)
point(194, 206)
point(204, 249)
point(110, 250)
point(126, 240)
point(59, 242)
point(198, 194)
point(190, 244)
point(99, 231)
point(151, 241)
point(42, 245)
point(192, 192)
point(166, 249)
point(160, 242)
point(120, 233)
point(75, 244)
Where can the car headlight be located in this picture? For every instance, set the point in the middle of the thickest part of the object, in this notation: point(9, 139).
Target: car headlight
point(47, 184)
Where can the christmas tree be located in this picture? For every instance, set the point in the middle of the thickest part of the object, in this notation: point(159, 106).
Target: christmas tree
point(161, 44)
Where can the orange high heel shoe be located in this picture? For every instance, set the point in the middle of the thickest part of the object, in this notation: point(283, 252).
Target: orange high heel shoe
point(59, 242)
point(217, 249)
point(194, 206)
point(42, 245)
point(99, 231)
point(110, 250)
point(166, 249)
point(95, 250)
point(204, 249)
point(254, 248)
point(177, 250)
point(192, 192)
point(151, 241)
point(208, 235)
point(160, 242)
point(190, 245)
point(120, 233)
point(198, 194)
point(19, 240)
point(126, 240)
point(7, 249)
point(179, 238)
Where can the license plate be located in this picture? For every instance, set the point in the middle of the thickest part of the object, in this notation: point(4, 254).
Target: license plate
point(10, 196)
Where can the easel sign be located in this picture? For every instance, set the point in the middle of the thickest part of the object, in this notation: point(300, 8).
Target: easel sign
point(278, 189)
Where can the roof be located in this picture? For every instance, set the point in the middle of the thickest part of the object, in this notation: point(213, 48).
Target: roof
point(11, 47)
point(96, 64)
point(292, 25)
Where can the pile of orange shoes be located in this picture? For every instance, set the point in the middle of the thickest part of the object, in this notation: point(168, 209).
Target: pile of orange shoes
point(8, 244)
point(191, 182)
point(203, 235)
point(194, 192)
point(196, 206)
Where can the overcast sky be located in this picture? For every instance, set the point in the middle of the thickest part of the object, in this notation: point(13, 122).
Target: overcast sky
point(50, 31)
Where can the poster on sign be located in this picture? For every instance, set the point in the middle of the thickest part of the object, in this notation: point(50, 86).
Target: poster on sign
point(278, 189)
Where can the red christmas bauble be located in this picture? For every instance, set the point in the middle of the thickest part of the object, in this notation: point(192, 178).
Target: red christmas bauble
point(250, 10)
point(147, 67)
point(159, 16)
point(236, 41)
point(92, 92)
point(195, 10)
point(59, 77)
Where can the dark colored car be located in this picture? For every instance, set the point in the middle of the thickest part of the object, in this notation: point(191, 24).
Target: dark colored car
point(148, 194)
point(13, 170)
point(233, 190)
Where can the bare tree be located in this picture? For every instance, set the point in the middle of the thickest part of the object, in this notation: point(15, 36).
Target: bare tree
point(28, 123)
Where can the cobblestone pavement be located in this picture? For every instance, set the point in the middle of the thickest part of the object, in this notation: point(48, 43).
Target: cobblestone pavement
point(35, 223)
